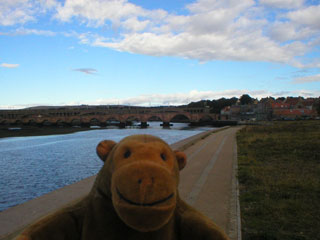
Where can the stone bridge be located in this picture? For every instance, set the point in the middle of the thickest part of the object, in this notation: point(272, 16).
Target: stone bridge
point(103, 115)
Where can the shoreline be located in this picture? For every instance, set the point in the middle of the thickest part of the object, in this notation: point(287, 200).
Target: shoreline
point(31, 131)
point(5, 132)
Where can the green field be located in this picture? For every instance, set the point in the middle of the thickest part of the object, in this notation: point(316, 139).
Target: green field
point(279, 177)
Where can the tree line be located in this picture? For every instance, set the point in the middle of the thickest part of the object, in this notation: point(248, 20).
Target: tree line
point(216, 105)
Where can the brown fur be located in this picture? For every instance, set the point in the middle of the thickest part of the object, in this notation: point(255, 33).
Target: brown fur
point(135, 196)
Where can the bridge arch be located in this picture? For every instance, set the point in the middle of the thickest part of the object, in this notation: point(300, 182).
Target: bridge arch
point(206, 118)
point(60, 123)
point(154, 118)
point(94, 122)
point(133, 118)
point(113, 120)
point(75, 122)
point(17, 122)
point(180, 118)
point(46, 122)
point(31, 122)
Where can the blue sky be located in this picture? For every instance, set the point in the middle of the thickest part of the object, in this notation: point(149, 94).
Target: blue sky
point(142, 52)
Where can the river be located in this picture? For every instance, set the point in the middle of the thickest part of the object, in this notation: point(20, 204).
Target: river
point(33, 166)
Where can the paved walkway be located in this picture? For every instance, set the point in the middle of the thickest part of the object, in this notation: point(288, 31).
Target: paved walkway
point(208, 183)
point(209, 180)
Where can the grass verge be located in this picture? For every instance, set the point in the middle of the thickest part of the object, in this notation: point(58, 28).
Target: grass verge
point(279, 177)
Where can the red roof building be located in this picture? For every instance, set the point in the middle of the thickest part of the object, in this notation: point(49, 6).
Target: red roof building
point(293, 114)
point(294, 102)
point(280, 105)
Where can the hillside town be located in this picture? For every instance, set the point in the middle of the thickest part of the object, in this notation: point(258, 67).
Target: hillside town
point(289, 108)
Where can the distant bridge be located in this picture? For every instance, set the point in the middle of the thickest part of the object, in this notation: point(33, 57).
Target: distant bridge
point(103, 115)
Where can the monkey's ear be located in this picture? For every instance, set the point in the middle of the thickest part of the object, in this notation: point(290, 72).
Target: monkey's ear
point(104, 148)
point(181, 158)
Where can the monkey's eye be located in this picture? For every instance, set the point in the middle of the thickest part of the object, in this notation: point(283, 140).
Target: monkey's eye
point(163, 156)
point(127, 154)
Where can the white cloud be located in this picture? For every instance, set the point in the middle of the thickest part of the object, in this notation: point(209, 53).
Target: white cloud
point(22, 106)
point(241, 47)
point(134, 25)
point(288, 4)
point(49, 4)
point(15, 11)
point(235, 6)
point(97, 12)
point(306, 16)
point(178, 98)
point(307, 79)
point(212, 30)
point(28, 31)
point(9, 65)
point(288, 31)
point(195, 95)
point(21, 11)
point(24, 31)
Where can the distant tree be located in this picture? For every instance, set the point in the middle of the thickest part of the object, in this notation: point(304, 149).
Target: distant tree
point(217, 105)
point(214, 105)
point(281, 99)
point(267, 99)
point(245, 99)
point(199, 104)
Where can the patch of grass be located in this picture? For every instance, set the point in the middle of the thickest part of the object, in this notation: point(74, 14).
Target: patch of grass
point(279, 177)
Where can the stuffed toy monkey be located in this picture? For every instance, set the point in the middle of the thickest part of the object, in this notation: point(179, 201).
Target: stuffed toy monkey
point(135, 196)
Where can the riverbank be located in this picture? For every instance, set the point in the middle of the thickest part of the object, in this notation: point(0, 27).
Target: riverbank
point(38, 131)
point(27, 131)
point(279, 180)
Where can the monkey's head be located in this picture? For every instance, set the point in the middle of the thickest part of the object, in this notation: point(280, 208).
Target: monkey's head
point(141, 173)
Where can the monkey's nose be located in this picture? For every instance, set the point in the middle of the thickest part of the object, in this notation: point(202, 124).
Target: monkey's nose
point(146, 181)
point(145, 187)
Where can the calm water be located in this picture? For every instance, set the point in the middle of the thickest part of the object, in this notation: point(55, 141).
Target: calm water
point(33, 166)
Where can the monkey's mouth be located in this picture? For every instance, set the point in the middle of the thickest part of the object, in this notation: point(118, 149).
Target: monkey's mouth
point(144, 204)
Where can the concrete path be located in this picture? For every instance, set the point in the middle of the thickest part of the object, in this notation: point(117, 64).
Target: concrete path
point(208, 182)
